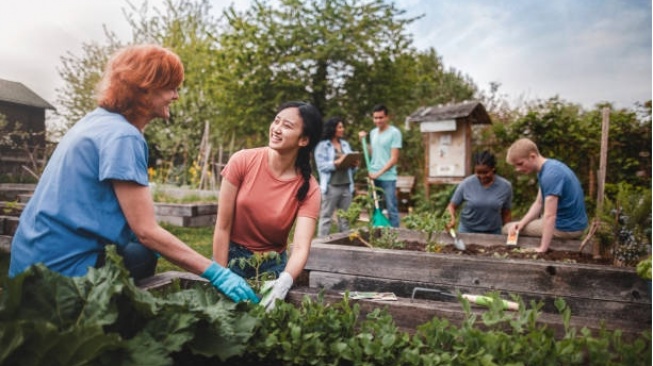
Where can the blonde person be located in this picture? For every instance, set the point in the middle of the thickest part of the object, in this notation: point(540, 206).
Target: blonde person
point(94, 190)
point(267, 191)
point(336, 180)
point(559, 208)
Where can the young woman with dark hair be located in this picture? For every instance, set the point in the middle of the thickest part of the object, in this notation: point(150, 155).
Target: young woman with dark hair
point(336, 181)
point(95, 190)
point(267, 191)
point(487, 198)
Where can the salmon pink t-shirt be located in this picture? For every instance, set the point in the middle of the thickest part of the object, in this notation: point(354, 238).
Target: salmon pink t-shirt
point(266, 206)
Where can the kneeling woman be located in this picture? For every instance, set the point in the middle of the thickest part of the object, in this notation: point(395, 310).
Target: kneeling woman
point(267, 190)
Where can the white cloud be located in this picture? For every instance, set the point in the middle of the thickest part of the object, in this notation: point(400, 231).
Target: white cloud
point(586, 51)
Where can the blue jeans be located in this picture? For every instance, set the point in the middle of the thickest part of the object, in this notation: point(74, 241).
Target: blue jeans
point(237, 251)
point(139, 260)
point(389, 188)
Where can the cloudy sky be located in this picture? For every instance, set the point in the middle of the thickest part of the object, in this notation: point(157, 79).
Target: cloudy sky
point(585, 51)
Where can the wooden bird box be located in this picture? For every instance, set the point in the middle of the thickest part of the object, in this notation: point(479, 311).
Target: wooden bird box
point(447, 136)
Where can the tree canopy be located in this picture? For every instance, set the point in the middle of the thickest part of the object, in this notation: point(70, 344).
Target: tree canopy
point(344, 56)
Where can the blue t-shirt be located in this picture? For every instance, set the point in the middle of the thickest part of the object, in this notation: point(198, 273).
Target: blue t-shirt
point(74, 211)
point(556, 179)
point(382, 144)
point(482, 208)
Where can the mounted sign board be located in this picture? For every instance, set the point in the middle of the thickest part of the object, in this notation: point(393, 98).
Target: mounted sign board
point(447, 151)
point(438, 126)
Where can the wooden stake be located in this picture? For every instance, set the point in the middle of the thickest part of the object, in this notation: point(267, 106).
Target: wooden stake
point(596, 222)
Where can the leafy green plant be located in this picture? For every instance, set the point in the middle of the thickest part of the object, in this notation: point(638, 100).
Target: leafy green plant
point(625, 229)
point(386, 237)
point(431, 224)
point(353, 212)
point(102, 318)
point(255, 261)
point(379, 237)
point(10, 207)
point(644, 268)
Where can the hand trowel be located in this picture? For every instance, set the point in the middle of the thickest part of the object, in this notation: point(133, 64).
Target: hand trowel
point(457, 242)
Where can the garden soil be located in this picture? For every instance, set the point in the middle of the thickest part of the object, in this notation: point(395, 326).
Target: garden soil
point(510, 252)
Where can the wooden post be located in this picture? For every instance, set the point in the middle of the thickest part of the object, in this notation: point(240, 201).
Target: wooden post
point(603, 163)
point(426, 142)
point(203, 155)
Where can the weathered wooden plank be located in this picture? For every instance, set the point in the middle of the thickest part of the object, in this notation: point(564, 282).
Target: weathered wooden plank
point(5, 243)
point(188, 221)
point(164, 279)
point(185, 209)
point(11, 191)
point(478, 239)
point(628, 311)
point(408, 315)
point(8, 225)
point(538, 277)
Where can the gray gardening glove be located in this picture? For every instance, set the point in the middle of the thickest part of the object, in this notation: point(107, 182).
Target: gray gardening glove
point(276, 289)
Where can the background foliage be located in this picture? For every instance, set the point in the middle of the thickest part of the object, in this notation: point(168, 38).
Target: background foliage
point(344, 56)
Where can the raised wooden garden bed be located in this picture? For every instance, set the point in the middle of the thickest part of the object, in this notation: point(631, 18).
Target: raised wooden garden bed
point(186, 214)
point(407, 313)
point(598, 292)
point(13, 191)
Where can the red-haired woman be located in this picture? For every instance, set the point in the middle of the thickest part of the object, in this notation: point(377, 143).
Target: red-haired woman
point(94, 190)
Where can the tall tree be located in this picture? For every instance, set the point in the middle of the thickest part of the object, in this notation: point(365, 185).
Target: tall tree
point(308, 50)
point(344, 56)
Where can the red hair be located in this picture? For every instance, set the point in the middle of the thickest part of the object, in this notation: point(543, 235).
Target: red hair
point(132, 73)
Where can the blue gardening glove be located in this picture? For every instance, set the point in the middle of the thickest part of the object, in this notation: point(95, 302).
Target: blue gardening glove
point(277, 289)
point(229, 283)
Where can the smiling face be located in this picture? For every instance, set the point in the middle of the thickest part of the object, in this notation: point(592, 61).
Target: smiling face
point(286, 130)
point(160, 101)
point(340, 130)
point(485, 174)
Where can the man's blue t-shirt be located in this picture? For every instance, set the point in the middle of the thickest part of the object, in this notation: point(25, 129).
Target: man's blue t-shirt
point(382, 145)
point(557, 179)
point(483, 206)
point(74, 211)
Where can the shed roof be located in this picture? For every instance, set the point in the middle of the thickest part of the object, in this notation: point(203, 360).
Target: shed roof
point(473, 110)
point(14, 92)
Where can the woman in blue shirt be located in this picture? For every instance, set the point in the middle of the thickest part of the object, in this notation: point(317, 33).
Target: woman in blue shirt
point(336, 181)
point(94, 190)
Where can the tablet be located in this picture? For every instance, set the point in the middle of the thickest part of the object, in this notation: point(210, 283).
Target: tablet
point(350, 159)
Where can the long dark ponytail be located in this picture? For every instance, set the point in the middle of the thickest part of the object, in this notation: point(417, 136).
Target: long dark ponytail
point(311, 128)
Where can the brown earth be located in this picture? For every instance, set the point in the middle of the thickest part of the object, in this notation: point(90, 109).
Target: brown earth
point(503, 251)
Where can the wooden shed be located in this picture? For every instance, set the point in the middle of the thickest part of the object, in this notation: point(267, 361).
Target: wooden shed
point(447, 137)
point(24, 113)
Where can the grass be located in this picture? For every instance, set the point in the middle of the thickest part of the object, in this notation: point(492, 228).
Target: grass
point(198, 238)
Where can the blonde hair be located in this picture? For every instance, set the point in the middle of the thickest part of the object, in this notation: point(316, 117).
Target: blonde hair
point(132, 73)
point(521, 149)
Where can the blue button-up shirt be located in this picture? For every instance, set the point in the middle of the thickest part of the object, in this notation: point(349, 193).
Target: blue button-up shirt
point(325, 154)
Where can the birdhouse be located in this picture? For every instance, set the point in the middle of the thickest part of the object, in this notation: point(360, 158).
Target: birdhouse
point(447, 136)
